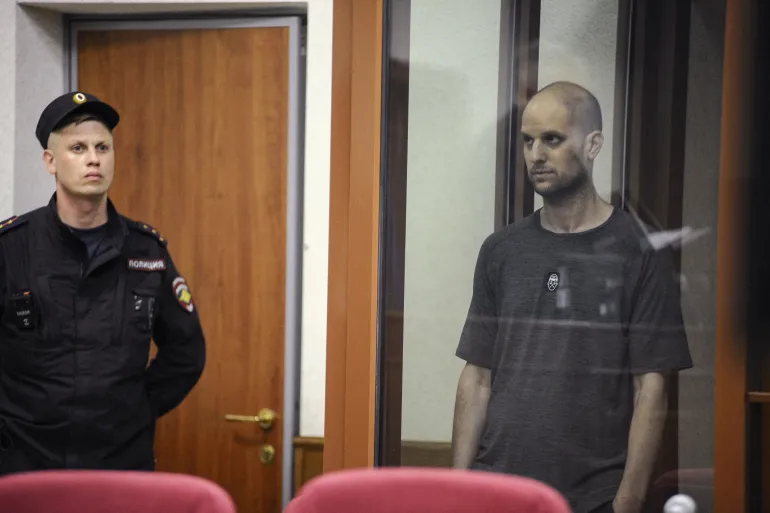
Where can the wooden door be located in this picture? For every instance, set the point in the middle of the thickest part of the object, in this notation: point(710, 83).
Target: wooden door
point(201, 155)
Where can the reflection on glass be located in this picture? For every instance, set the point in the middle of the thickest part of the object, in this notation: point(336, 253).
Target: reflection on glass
point(579, 42)
point(452, 137)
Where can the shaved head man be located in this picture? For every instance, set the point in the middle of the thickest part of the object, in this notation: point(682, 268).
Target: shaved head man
point(573, 327)
point(561, 131)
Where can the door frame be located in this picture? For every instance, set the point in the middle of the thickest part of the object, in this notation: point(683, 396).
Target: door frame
point(294, 189)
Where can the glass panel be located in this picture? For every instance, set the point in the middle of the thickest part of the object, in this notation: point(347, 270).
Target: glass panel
point(453, 80)
point(579, 42)
point(549, 244)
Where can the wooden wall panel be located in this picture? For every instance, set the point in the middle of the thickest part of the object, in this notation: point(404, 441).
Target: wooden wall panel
point(730, 400)
point(353, 236)
point(426, 454)
point(308, 460)
point(309, 457)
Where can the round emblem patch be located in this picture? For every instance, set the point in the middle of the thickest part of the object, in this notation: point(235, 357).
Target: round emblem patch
point(553, 282)
point(182, 294)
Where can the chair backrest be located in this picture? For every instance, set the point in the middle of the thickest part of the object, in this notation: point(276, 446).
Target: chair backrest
point(84, 491)
point(422, 490)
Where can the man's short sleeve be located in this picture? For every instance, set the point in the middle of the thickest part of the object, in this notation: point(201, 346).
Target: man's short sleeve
point(657, 337)
point(477, 340)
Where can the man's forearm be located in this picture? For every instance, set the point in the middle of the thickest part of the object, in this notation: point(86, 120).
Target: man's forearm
point(166, 387)
point(650, 408)
point(470, 414)
point(173, 373)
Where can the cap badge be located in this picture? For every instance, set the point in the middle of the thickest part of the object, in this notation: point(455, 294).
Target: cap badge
point(79, 98)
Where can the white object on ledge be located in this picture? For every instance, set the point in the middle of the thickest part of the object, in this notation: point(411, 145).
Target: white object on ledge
point(680, 503)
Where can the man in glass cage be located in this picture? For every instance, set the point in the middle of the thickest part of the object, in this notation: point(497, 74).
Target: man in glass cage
point(573, 329)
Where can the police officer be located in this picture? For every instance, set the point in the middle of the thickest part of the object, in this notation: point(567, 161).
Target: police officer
point(84, 290)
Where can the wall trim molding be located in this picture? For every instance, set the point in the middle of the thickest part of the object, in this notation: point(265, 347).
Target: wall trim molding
point(309, 455)
point(308, 460)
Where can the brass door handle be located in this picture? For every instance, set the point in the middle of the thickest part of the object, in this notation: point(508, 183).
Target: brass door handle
point(265, 418)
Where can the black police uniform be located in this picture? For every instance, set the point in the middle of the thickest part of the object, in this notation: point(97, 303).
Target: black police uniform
point(76, 321)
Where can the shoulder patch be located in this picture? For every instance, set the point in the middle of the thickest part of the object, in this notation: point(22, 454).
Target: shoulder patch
point(149, 230)
point(11, 223)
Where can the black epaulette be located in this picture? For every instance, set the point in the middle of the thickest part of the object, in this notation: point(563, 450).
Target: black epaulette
point(149, 230)
point(11, 223)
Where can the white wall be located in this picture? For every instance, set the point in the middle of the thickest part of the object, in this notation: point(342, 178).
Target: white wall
point(39, 76)
point(578, 41)
point(32, 73)
point(453, 79)
point(7, 107)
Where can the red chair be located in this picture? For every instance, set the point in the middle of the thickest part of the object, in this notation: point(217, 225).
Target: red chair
point(414, 490)
point(85, 491)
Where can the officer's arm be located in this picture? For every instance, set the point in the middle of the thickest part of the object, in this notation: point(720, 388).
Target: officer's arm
point(3, 293)
point(181, 346)
point(2, 283)
point(2, 280)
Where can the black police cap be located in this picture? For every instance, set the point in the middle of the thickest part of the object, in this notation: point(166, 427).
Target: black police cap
point(71, 103)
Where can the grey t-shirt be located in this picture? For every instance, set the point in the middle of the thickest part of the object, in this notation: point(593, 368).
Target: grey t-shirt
point(564, 321)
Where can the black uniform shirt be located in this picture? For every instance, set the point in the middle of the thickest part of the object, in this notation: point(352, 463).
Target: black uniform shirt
point(91, 237)
point(76, 390)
